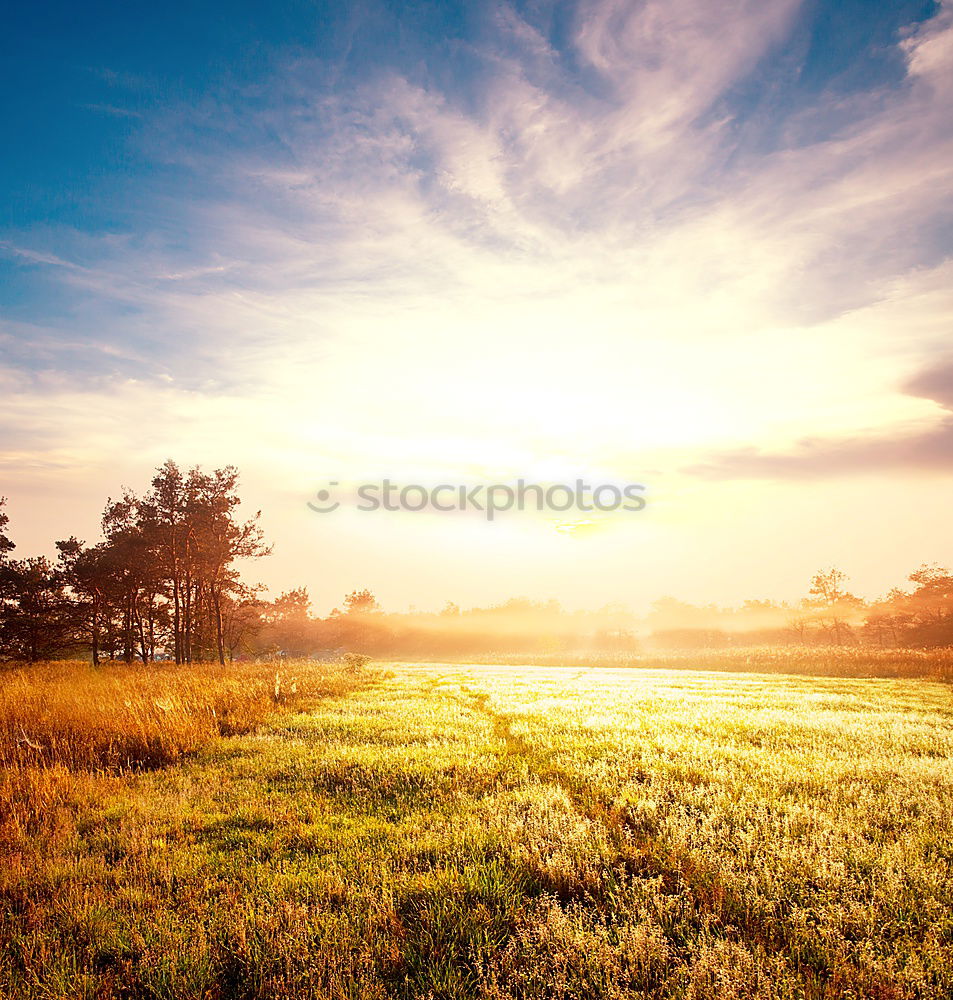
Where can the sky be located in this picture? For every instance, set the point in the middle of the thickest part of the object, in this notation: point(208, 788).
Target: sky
point(703, 247)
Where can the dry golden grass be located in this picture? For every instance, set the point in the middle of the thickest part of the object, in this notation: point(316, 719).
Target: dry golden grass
point(462, 833)
point(119, 716)
point(66, 726)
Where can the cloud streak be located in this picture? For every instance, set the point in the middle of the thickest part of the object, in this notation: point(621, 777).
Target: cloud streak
point(904, 449)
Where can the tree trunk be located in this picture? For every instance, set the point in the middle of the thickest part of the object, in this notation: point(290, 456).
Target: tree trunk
point(219, 636)
point(95, 631)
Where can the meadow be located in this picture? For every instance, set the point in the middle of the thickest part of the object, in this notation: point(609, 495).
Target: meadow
point(452, 831)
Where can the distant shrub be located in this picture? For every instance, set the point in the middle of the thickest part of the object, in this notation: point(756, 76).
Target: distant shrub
point(355, 662)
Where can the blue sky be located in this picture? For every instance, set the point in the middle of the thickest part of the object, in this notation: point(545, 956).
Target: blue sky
point(88, 91)
point(706, 245)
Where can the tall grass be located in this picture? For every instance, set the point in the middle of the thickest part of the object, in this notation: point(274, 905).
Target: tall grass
point(69, 731)
point(119, 717)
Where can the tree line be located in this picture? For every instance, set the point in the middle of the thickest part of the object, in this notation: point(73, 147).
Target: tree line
point(163, 583)
point(829, 614)
point(919, 615)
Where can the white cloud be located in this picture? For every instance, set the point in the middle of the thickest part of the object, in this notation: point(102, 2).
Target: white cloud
point(555, 270)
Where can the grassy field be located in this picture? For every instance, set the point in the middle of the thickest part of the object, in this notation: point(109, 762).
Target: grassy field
point(450, 831)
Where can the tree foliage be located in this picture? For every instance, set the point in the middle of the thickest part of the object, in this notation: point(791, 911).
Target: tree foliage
point(162, 582)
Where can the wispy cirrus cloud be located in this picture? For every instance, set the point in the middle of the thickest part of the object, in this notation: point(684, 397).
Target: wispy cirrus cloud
point(607, 234)
point(591, 173)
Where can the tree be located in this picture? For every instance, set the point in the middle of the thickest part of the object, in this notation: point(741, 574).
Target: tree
point(360, 602)
point(922, 616)
point(37, 620)
point(188, 522)
point(292, 605)
point(129, 572)
point(835, 604)
point(85, 573)
point(288, 623)
point(930, 606)
point(161, 517)
point(222, 539)
point(7, 578)
point(362, 627)
point(6, 545)
point(241, 619)
point(36, 615)
point(799, 628)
